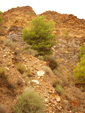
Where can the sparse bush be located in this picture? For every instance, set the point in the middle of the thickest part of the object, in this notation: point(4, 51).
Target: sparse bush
point(3, 73)
point(47, 70)
point(2, 109)
point(56, 82)
point(29, 102)
point(79, 72)
point(28, 73)
point(21, 67)
point(28, 13)
point(40, 36)
point(40, 57)
point(51, 62)
point(82, 51)
point(10, 44)
point(60, 89)
point(32, 52)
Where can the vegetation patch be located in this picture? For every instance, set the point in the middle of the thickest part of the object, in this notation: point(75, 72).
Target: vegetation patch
point(51, 62)
point(40, 35)
point(29, 102)
point(79, 73)
point(21, 67)
point(3, 73)
point(47, 70)
point(59, 89)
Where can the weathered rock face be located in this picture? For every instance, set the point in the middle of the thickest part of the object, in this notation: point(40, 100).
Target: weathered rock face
point(70, 32)
point(18, 17)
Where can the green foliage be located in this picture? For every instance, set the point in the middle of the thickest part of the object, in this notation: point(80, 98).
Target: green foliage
point(0, 16)
point(28, 13)
point(29, 102)
point(51, 62)
point(21, 67)
point(79, 72)
point(0, 19)
point(1, 12)
point(82, 51)
point(47, 70)
point(31, 52)
point(60, 89)
point(66, 34)
point(3, 73)
point(56, 82)
point(40, 36)
point(28, 73)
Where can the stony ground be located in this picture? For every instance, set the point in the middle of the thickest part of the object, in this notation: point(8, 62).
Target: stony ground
point(70, 32)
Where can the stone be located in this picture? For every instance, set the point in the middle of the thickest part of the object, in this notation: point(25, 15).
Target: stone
point(4, 55)
point(35, 81)
point(40, 73)
point(58, 99)
point(7, 68)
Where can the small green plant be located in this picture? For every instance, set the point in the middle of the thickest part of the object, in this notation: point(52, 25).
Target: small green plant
point(66, 34)
point(28, 13)
point(82, 51)
point(59, 89)
point(51, 62)
point(3, 73)
point(29, 102)
point(28, 73)
point(0, 19)
point(21, 67)
point(32, 52)
point(56, 82)
point(79, 73)
point(47, 70)
point(1, 12)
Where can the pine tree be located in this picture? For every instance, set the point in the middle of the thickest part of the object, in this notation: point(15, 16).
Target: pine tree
point(40, 35)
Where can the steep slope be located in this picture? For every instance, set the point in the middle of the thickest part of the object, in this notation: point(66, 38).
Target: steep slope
point(70, 33)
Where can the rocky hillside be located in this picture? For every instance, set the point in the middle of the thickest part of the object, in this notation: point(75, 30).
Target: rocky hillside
point(70, 33)
point(16, 18)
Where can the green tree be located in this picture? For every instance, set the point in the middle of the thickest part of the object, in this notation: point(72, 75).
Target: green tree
point(79, 72)
point(82, 51)
point(40, 35)
point(0, 16)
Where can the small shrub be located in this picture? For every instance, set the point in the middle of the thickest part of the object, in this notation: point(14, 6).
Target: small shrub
point(0, 19)
point(29, 102)
point(66, 34)
point(47, 70)
point(79, 73)
point(82, 51)
point(2, 109)
point(60, 89)
point(10, 44)
point(28, 13)
point(28, 73)
point(3, 73)
point(56, 82)
point(51, 62)
point(21, 68)
point(40, 57)
point(32, 52)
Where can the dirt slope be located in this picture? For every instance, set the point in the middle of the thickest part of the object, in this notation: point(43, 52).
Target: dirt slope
point(70, 33)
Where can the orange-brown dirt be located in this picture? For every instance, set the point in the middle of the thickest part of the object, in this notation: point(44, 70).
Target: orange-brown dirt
point(70, 33)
